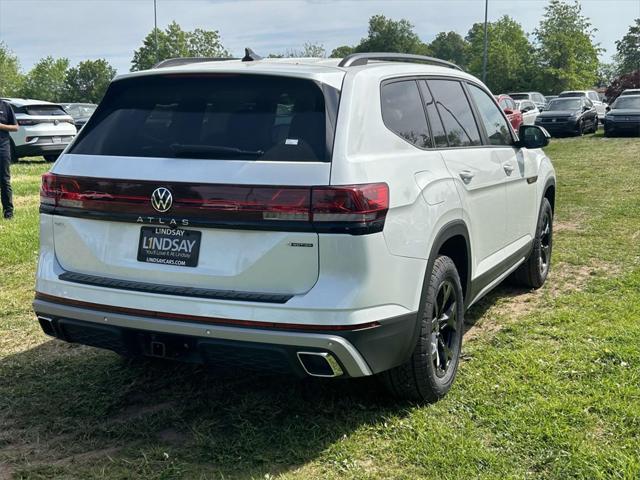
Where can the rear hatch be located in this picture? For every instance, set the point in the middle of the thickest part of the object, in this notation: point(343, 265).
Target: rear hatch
point(46, 123)
point(197, 181)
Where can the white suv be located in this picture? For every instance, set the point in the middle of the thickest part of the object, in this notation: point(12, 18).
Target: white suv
point(44, 129)
point(322, 217)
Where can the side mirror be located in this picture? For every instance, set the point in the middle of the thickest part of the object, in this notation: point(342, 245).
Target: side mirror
point(608, 109)
point(585, 108)
point(532, 136)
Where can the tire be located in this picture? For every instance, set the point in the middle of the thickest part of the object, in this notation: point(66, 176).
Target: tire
point(428, 375)
point(535, 269)
point(580, 131)
point(50, 158)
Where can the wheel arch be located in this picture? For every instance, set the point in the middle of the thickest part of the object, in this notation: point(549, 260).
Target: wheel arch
point(453, 241)
point(549, 193)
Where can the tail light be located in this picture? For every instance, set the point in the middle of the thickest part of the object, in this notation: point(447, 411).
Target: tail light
point(24, 121)
point(354, 209)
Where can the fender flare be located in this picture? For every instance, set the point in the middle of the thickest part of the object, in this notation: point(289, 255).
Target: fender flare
point(448, 231)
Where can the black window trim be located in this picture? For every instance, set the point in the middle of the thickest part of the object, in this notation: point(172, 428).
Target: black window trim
point(485, 143)
point(413, 79)
point(422, 83)
point(483, 131)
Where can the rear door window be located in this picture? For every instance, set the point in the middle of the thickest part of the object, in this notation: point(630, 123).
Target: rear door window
point(221, 116)
point(403, 113)
point(456, 114)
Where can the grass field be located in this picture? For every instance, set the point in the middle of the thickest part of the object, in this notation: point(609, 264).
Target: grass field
point(549, 385)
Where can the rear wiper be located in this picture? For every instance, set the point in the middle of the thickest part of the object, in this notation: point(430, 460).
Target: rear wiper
point(203, 151)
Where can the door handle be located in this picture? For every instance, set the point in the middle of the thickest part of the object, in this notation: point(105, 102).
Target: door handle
point(466, 175)
point(508, 168)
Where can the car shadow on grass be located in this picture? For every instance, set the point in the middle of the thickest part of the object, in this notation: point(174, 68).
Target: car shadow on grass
point(479, 310)
point(69, 406)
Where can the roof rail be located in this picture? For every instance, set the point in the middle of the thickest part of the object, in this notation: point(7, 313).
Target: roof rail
point(357, 59)
point(175, 62)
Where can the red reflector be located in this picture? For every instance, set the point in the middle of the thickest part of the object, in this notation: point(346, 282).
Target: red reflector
point(350, 203)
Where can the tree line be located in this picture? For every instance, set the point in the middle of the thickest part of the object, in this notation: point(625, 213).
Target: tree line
point(560, 54)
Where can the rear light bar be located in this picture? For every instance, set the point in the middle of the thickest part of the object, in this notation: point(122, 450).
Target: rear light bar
point(355, 209)
point(29, 122)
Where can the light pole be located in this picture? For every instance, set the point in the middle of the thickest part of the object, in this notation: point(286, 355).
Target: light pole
point(155, 27)
point(486, 42)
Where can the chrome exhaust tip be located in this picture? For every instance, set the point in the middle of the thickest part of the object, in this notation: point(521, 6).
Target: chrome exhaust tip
point(47, 326)
point(320, 364)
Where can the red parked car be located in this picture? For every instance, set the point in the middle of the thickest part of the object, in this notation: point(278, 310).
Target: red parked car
point(508, 105)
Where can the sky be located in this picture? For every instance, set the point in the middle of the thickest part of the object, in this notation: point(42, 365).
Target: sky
point(113, 29)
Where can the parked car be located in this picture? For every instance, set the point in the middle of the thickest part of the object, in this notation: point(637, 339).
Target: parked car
point(550, 97)
point(623, 116)
point(569, 115)
point(535, 97)
point(81, 112)
point(44, 129)
point(510, 109)
point(630, 91)
point(529, 111)
point(324, 244)
point(592, 95)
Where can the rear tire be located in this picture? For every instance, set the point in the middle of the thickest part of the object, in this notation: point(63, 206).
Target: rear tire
point(50, 158)
point(431, 370)
point(535, 269)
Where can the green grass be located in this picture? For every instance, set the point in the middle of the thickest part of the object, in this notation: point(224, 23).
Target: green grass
point(549, 386)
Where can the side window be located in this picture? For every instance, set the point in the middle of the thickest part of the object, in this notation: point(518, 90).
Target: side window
point(588, 102)
point(403, 112)
point(437, 129)
point(504, 104)
point(455, 112)
point(593, 96)
point(494, 122)
point(512, 105)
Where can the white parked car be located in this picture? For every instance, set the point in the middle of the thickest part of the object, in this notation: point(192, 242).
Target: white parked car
point(326, 217)
point(44, 129)
point(601, 107)
point(536, 97)
point(529, 111)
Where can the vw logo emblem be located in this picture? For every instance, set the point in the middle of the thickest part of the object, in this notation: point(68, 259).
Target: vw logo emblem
point(56, 122)
point(161, 199)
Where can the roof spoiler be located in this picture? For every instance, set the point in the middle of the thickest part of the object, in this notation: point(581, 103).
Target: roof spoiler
point(175, 62)
point(249, 56)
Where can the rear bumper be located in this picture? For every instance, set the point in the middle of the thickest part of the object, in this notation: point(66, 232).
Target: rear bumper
point(359, 352)
point(562, 128)
point(37, 150)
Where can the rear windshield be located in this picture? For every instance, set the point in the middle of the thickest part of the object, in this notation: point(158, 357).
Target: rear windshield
point(519, 96)
point(565, 104)
point(222, 116)
point(55, 110)
point(80, 110)
point(573, 94)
